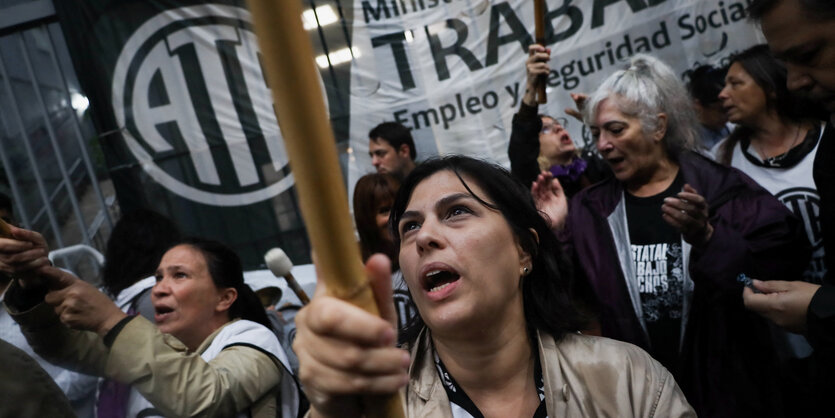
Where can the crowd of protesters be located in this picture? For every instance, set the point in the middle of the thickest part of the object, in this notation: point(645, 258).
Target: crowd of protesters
point(681, 267)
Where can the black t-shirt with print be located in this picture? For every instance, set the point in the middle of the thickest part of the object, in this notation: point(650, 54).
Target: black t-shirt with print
point(659, 273)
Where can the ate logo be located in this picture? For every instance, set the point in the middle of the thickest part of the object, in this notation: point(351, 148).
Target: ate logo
point(805, 203)
point(195, 110)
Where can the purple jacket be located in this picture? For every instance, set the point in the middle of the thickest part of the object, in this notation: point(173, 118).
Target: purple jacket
point(726, 364)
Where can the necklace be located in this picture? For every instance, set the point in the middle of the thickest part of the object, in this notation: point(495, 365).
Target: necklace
point(779, 157)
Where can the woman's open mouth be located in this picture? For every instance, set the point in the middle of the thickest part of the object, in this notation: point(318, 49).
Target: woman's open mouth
point(614, 161)
point(161, 313)
point(439, 280)
point(565, 139)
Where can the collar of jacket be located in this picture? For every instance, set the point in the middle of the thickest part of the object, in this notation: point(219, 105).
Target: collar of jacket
point(425, 384)
point(584, 376)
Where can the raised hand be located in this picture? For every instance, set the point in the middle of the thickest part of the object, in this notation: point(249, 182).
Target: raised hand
point(535, 66)
point(688, 212)
point(580, 100)
point(79, 304)
point(23, 254)
point(345, 352)
point(550, 199)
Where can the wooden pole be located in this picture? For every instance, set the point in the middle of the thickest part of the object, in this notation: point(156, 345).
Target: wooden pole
point(288, 62)
point(539, 20)
point(297, 289)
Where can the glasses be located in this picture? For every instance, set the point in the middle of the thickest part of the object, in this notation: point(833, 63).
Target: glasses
point(548, 128)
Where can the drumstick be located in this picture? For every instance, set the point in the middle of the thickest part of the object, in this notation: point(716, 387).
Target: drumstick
point(281, 266)
point(539, 20)
point(288, 62)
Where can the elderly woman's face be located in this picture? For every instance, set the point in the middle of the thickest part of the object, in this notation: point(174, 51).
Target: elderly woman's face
point(622, 142)
point(459, 258)
point(185, 299)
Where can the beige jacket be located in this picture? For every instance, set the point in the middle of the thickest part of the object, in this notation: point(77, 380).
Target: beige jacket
point(584, 377)
point(176, 382)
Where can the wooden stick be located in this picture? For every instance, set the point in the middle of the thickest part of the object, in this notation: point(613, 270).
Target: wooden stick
point(297, 289)
point(539, 20)
point(288, 62)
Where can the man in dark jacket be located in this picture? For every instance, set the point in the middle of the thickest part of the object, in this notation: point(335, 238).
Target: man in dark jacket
point(802, 34)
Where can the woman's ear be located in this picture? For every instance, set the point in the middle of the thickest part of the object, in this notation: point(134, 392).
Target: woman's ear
point(524, 257)
point(661, 129)
point(227, 298)
point(535, 235)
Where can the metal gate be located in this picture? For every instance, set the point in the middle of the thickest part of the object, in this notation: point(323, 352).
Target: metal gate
point(51, 165)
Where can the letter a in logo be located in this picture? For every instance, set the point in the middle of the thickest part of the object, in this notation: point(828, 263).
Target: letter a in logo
point(195, 110)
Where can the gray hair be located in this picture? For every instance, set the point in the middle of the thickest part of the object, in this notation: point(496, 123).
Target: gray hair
point(643, 90)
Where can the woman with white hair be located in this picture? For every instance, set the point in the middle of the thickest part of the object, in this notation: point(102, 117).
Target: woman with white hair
point(662, 243)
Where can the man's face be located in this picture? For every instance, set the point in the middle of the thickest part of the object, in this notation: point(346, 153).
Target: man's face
point(806, 44)
point(386, 159)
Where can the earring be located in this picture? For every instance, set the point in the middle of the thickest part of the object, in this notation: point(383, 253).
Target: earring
point(525, 270)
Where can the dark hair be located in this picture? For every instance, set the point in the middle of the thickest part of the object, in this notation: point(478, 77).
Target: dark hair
point(396, 135)
point(770, 75)
point(135, 247)
point(823, 9)
point(372, 193)
point(226, 271)
point(6, 203)
point(547, 290)
point(705, 83)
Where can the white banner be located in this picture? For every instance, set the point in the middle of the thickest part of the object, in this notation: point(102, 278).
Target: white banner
point(453, 70)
